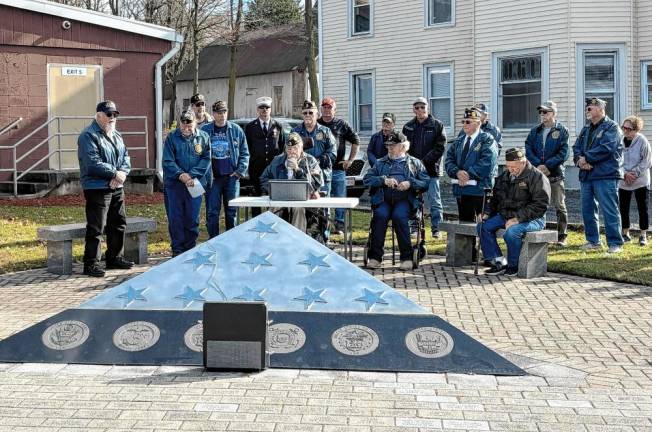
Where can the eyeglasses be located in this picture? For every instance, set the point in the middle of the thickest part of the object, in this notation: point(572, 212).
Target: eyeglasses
point(627, 128)
point(186, 121)
point(465, 122)
point(198, 104)
point(263, 107)
point(589, 108)
point(111, 114)
point(542, 112)
point(305, 113)
point(419, 107)
point(327, 106)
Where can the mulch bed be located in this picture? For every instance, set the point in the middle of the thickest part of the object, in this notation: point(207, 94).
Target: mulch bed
point(77, 200)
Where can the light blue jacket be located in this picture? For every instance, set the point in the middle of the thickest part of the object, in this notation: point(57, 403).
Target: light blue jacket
point(99, 158)
point(191, 155)
point(237, 146)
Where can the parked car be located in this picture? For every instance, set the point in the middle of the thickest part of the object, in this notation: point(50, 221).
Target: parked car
point(354, 186)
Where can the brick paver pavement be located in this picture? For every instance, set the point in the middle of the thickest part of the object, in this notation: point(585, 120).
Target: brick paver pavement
point(585, 343)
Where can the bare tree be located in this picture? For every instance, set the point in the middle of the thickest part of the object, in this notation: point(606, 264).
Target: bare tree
point(204, 15)
point(311, 55)
point(235, 23)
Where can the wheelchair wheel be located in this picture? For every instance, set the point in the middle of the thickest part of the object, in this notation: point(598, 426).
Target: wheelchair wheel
point(415, 258)
point(423, 252)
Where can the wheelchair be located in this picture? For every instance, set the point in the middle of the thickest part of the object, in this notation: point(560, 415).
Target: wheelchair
point(417, 236)
point(316, 222)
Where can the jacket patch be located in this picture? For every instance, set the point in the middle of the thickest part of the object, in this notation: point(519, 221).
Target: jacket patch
point(555, 135)
point(319, 136)
point(198, 148)
point(599, 135)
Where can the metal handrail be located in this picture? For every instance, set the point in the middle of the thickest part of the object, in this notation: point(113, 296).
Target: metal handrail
point(12, 125)
point(59, 150)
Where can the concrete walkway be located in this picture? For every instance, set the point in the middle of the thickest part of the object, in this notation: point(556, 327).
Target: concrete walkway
point(585, 343)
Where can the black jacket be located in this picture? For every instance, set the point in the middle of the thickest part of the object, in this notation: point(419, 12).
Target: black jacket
point(263, 148)
point(429, 144)
point(526, 197)
point(342, 132)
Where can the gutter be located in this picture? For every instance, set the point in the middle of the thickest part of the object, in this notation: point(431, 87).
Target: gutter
point(158, 89)
point(320, 48)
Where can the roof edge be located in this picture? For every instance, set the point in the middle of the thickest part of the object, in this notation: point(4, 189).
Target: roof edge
point(96, 18)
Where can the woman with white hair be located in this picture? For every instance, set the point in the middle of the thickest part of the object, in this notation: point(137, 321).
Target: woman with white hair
point(637, 158)
point(394, 182)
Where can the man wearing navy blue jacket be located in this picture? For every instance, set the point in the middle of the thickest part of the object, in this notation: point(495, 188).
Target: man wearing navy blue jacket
point(186, 157)
point(229, 163)
point(546, 147)
point(598, 153)
point(104, 164)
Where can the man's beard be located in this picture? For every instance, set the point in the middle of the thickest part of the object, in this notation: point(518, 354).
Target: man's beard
point(109, 129)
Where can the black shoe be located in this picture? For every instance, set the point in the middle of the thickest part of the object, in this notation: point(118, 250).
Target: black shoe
point(626, 238)
point(119, 263)
point(511, 271)
point(496, 269)
point(487, 263)
point(93, 270)
point(436, 234)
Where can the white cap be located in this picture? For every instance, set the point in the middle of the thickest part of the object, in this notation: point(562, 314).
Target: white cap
point(420, 100)
point(265, 100)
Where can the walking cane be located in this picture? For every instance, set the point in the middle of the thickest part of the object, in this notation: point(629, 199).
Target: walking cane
point(487, 193)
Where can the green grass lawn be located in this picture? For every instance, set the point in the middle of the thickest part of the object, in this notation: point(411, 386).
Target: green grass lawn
point(20, 250)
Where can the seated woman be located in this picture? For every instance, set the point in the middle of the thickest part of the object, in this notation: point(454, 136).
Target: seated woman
point(394, 182)
point(294, 164)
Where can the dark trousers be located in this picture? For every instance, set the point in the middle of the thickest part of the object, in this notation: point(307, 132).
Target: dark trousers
point(105, 212)
point(258, 190)
point(468, 207)
point(624, 200)
point(183, 217)
point(399, 213)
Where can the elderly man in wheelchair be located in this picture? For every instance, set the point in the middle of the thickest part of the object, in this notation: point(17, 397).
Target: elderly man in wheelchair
point(396, 182)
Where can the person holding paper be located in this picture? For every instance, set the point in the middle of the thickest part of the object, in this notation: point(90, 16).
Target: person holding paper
point(471, 161)
point(186, 158)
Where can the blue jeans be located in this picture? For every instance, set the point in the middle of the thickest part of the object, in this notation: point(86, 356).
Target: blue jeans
point(513, 237)
point(224, 189)
point(434, 198)
point(338, 190)
point(399, 213)
point(596, 194)
point(183, 217)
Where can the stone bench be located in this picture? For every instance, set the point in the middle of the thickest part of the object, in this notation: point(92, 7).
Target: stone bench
point(532, 262)
point(59, 242)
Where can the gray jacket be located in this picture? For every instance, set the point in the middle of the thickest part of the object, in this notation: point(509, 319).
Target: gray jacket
point(638, 159)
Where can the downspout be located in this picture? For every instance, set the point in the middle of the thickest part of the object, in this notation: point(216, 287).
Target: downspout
point(158, 88)
point(320, 48)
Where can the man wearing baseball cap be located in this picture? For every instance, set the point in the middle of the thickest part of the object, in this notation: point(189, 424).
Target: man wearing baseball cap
point(104, 164)
point(546, 147)
point(198, 103)
point(266, 139)
point(376, 147)
point(598, 153)
point(519, 203)
point(427, 139)
point(487, 126)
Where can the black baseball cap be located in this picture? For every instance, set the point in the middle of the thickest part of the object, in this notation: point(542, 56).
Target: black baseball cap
point(106, 107)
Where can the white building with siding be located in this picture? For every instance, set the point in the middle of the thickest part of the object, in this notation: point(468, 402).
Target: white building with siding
point(378, 55)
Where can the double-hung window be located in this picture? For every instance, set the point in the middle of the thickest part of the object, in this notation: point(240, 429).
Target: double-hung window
point(362, 101)
point(440, 12)
point(360, 17)
point(646, 85)
point(438, 82)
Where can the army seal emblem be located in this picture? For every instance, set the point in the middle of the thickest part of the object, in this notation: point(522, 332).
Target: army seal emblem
point(194, 337)
point(136, 336)
point(555, 135)
point(285, 338)
point(319, 136)
point(355, 340)
point(198, 148)
point(429, 342)
point(65, 335)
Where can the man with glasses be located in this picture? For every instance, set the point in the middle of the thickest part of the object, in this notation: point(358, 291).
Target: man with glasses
point(427, 139)
point(342, 132)
point(266, 140)
point(186, 158)
point(487, 126)
point(229, 163)
point(104, 164)
point(546, 148)
point(376, 148)
point(598, 153)
point(199, 108)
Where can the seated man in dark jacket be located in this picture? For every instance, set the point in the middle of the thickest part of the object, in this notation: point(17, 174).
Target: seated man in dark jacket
point(395, 180)
point(294, 164)
point(519, 203)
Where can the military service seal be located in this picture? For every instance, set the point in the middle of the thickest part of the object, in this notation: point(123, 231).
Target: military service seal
point(136, 336)
point(285, 338)
point(65, 335)
point(429, 342)
point(355, 340)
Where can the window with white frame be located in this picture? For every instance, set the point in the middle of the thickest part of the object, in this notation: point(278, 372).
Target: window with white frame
point(440, 12)
point(360, 12)
point(600, 74)
point(362, 101)
point(520, 90)
point(439, 85)
point(646, 84)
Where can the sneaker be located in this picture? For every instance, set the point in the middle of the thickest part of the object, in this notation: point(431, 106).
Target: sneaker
point(615, 249)
point(339, 228)
point(373, 264)
point(93, 270)
point(561, 241)
point(591, 246)
point(119, 263)
point(642, 240)
point(436, 234)
point(406, 265)
point(496, 269)
point(511, 271)
point(626, 238)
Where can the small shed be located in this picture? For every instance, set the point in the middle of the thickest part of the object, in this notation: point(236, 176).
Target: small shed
point(270, 62)
point(56, 63)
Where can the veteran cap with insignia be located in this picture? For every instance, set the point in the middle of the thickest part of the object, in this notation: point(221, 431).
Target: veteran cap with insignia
point(472, 113)
point(309, 105)
point(294, 139)
point(481, 108)
point(548, 106)
point(197, 98)
point(187, 115)
point(219, 106)
point(596, 101)
point(264, 101)
point(388, 116)
point(106, 107)
point(515, 154)
point(395, 137)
